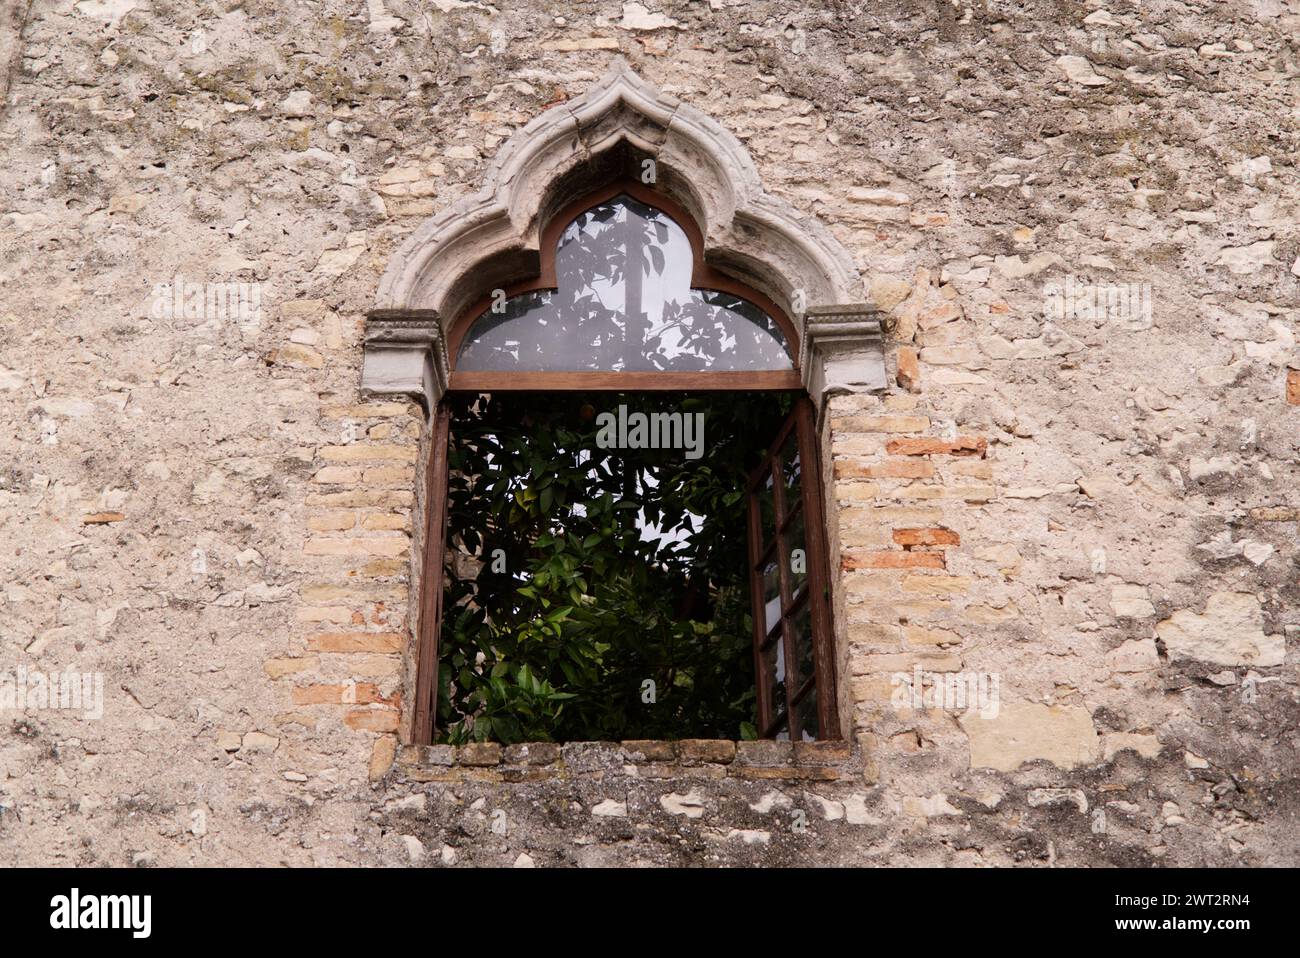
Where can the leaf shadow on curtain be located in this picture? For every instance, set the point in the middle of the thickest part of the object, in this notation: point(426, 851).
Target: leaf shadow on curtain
point(624, 303)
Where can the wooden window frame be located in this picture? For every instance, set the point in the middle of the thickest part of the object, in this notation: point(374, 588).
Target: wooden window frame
point(816, 587)
point(432, 584)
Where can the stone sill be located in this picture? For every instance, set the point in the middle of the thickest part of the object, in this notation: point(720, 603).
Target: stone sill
point(684, 758)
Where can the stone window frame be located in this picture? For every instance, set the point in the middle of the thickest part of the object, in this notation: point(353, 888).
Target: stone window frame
point(493, 239)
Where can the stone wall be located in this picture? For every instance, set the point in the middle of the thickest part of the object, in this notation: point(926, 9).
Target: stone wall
point(1099, 510)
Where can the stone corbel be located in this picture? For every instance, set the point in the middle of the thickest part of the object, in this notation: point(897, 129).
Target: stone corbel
point(843, 351)
point(405, 355)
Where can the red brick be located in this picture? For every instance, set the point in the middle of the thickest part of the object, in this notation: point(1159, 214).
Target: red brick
point(389, 474)
point(365, 498)
point(372, 720)
point(355, 642)
point(976, 469)
point(889, 469)
point(385, 522)
point(366, 411)
point(387, 546)
point(360, 451)
point(381, 568)
point(1293, 387)
point(926, 537)
point(889, 559)
point(332, 521)
point(961, 446)
point(909, 370)
point(908, 423)
point(361, 693)
point(101, 518)
point(279, 668)
point(337, 475)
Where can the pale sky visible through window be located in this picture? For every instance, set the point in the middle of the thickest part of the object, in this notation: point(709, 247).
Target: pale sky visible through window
point(624, 303)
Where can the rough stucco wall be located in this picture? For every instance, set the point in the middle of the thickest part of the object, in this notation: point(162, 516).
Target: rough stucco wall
point(1105, 484)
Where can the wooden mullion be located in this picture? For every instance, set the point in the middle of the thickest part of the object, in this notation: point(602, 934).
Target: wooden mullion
point(804, 689)
point(778, 491)
point(797, 603)
point(770, 468)
point(764, 468)
point(783, 574)
point(431, 580)
point(783, 512)
point(791, 515)
point(772, 727)
point(759, 611)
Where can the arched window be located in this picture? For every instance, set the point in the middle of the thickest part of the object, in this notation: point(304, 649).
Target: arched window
point(622, 306)
point(624, 299)
point(564, 325)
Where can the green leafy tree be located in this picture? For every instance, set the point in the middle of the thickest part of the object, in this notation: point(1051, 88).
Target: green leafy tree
point(578, 573)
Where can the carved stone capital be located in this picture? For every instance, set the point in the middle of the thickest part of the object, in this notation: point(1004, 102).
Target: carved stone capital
point(405, 355)
point(843, 350)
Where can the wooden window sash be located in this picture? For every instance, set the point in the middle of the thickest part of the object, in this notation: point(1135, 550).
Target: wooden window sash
point(819, 578)
point(801, 424)
point(429, 623)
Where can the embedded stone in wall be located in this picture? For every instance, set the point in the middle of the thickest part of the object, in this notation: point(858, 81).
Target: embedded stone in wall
point(1229, 632)
point(637, 17)
point(1080, 71)
point(1131, 602)
point(923, 806)
point(1038, 797)
point(1134, 656)
point(1147, 746)
point(1024, 731)
point(691, 804)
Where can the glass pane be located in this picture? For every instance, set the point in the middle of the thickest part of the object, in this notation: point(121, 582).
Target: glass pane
point(771, 595)
point(774, 669)
point(624, 304)
point(766, 509)
point(801, 623)
point(790, 472)
point(807, 710)
point(794, 552)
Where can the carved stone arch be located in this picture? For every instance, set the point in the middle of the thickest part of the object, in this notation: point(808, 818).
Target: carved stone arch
point(491, 238)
